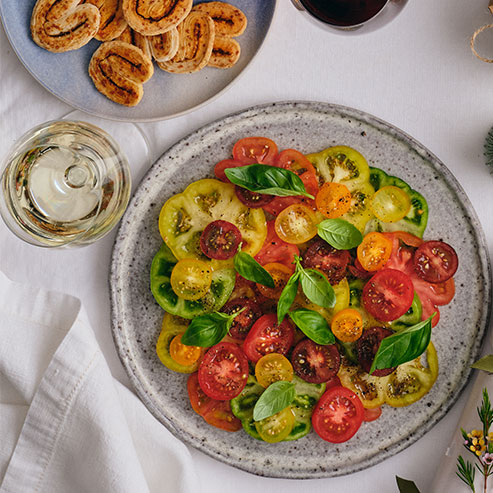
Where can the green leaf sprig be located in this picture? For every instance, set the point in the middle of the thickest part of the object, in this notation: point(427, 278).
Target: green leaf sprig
point(313, 325)
point(276, 397)
point(485, 364)
point(403, 346)
point(251, 270)
point(406, 486)
point(209, 329)
point(339, 233)
point(269, 180)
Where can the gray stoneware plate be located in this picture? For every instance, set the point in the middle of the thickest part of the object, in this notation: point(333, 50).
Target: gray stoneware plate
point(165, 95)
point(307, 127)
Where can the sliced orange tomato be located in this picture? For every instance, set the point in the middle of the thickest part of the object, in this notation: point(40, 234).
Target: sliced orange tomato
point(374, 251)
point(273, 367)
point(333, 200)
point(183, 354)
point(296, 224)
point(281, 274)
point(347, 325)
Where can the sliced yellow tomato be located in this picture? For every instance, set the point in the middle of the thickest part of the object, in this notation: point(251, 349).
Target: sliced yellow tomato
point(390, 204)
point(185, 215)
point(277, 427)
point(296, 224)
point(374, 251)
point(191, 278)
point(273, 367)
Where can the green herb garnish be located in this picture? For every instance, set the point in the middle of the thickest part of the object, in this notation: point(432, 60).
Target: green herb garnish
point(251, 270)
point(274, 399)
point(313, 325)
point(287, 296)
point(339, 233)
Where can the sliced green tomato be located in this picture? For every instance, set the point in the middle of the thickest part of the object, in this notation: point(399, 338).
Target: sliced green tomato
point(222, 284)
point(360, 211)
point(185, 215)
point(411, 317)
point(167, 334)
point(414, 221)
point(341, 164)
point(411, 381)
point(277, 427)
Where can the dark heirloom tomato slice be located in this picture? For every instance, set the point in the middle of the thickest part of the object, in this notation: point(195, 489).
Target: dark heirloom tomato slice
point(337, 415)
point(243, 322)
point(388, 295)
point(223, 372)
point(253, 150)
point(367, 347)
point(253, 200)
point(322, 256)
point(220, 240)
point(267, 336)
point(314, 362)
point(224, 164)
point(216, 413)
point(356, 270)
point(435, 261)
point(274, 250)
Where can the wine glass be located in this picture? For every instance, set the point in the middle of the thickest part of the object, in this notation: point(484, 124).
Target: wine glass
point(67, 182)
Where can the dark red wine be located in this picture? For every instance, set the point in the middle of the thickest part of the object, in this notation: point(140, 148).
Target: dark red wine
point(344, 12)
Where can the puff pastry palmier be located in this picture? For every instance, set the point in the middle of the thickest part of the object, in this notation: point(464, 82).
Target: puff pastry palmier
point(63, 25)
point(196, 38)
point(151, 17)
point(228, 20)
point(225, 52)
point(136, 39)
point(112, 21)
point(118, 70)
point(164, 46)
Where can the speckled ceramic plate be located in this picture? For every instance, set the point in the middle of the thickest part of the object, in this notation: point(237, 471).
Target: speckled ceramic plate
point(165, 95)
point(308, 127)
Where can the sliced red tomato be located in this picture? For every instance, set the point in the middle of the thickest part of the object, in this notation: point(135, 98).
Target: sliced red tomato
point(243, 322)
point(388, 295)
point(314, 362)
point(220, 240)
point(322, 256)
point(407, 238)
point(224, 164)
point(253, 200)
point(435, 261)
point(337, 415)
point(267, 336)
point(367, 347)
point(333, 382)
point(372, 414)
point(216, 413)
point(223, 371)
point(294, 161)
point(276, 250)
point(356, 269)
point(253, 150)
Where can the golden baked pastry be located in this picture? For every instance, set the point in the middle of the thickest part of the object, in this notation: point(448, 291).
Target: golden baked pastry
point(151, 17)
point(118, 70)
point(112, 21)
point(196, 38)
point(164, 46)
point(228, 19)
point(60, 26)
point(225, 52)
point(136, 39)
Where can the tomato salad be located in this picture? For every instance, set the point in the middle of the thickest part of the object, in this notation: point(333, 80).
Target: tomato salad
point(298, 292)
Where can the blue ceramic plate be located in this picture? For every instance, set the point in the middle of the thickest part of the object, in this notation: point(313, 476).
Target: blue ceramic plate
point(308, 127)
point(165, 95)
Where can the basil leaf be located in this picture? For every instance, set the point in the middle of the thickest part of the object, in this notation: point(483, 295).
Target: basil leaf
point(485, 364)
point(251, 270)
point(269, 180)
point(276, 397)
point(208, 330)
point(317, 288)
point(313, 325)
point(339, 233)
point(403, 346)
point(287, 296)
point(406, 486)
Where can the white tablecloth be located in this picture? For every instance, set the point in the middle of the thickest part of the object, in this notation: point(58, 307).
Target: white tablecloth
point(417, 73)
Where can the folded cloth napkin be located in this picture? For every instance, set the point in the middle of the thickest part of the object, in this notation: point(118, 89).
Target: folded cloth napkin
point(65, 424)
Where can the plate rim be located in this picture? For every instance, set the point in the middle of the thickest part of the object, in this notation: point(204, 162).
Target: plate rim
point(141, 119)
point(425, 153)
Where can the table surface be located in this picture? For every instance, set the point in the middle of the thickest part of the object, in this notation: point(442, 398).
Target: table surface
point(417, 73)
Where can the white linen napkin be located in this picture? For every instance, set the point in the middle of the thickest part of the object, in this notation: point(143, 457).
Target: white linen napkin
point(65, 424)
